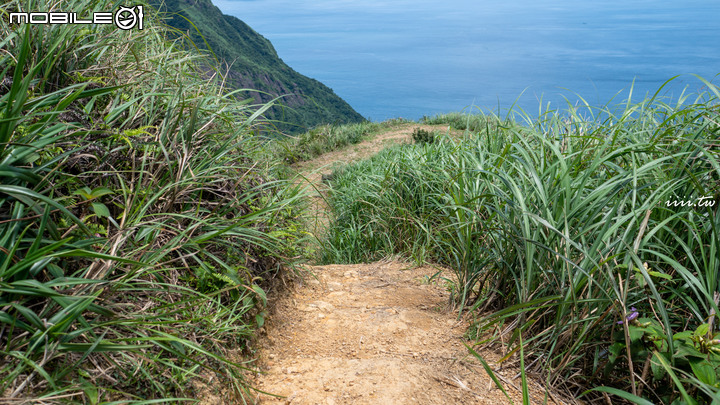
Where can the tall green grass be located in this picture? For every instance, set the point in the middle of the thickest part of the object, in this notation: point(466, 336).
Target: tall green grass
point(326, 138)
point(566, 234)
point(463, 121)
point(138, 234)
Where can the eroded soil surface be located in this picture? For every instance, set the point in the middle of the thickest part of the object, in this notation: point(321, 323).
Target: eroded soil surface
point(378, 333)
point(374, 333)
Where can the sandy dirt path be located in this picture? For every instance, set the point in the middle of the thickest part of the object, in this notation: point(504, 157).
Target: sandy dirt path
point(310, 172)
point(378, 333)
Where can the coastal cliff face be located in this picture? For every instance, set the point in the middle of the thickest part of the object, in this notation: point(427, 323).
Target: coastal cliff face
point(254, 64)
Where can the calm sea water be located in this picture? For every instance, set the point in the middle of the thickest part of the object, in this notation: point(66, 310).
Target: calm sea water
point(413, 58)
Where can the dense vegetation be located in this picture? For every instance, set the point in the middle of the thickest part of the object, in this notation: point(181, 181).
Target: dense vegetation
point(139, 234)
point(254, 64)
point(587, 241)
point(326, 138)
point(142, 225)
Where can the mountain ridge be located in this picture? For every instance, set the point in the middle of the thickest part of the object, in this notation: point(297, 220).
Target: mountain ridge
point(254, 64)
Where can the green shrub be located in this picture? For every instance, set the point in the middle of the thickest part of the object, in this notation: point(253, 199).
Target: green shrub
point(423, 136)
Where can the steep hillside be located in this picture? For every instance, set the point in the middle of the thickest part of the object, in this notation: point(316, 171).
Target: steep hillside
point(256, 65)
point(139, 232)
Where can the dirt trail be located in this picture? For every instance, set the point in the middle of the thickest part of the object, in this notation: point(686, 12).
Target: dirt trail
point(376, 333)
point(311, 171)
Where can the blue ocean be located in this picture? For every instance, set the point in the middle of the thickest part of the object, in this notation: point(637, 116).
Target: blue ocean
point(419, 58)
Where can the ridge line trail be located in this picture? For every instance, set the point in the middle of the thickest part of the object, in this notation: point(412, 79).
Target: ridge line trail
point(375, 333)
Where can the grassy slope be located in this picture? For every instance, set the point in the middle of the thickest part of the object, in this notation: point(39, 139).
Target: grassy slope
point(570, 214)
point(138, 232)
point(256, 65)
point(325, 138)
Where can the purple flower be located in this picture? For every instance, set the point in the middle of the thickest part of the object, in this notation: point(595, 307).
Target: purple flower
point(631, 316)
